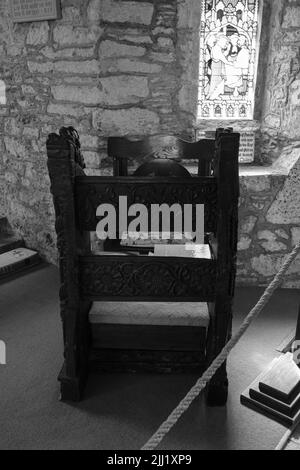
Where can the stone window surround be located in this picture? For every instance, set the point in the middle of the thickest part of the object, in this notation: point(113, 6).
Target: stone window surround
point(260, 31)
point(242, 125)
point(269, 220)
point(269, 223)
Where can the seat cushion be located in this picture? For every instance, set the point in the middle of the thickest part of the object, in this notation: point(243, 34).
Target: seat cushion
point(150, 313)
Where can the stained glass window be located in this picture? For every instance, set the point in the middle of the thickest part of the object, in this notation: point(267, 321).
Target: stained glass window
point(228, 56)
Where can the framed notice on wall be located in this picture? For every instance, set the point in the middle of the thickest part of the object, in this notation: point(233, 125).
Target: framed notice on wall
point(35, 10)
point(247, 147)
point(247, 142)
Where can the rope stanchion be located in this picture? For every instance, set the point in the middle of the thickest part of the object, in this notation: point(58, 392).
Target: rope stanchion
point(201, 383)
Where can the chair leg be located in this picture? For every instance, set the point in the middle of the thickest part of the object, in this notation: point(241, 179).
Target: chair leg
point(72, 383)
point(219, 333)
point(217, 389)
point(70, 390)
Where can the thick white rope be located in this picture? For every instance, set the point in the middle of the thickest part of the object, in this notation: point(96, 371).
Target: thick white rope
point(286, 437)
point(201, 383)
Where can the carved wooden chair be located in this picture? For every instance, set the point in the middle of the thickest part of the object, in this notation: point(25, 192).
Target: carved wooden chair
point(88, 279)
point(121, 150)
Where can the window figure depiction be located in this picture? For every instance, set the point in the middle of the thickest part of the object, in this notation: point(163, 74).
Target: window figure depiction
point(228, 53)
point(219, 54)
point(238, 67)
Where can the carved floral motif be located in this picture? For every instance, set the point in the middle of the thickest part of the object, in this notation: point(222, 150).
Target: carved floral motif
point(116, 277)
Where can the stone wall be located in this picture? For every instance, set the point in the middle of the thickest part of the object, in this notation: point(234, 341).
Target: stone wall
point(270, 202)
point(269, 220)
point(280, 112)
point(108, 68)
point(118, 67)
point(277, 102)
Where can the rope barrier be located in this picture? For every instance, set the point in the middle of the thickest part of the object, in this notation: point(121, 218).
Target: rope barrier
point(286, 437)
point(201, 383)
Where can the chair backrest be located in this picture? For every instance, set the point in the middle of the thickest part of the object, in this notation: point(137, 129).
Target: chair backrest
point(84, 278)
point(77, 197)
point(121, 150)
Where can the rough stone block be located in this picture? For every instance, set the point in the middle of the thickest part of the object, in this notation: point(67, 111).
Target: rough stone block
point(89, 141)
point(91, 159)
point(270, 242)
point(109, 49)
point(165, 43)
point(38, 34)
point(244, 243)
point(285, 208)
point(166, 57)
point(67, 35)
point(65, 110)
point(31, 132)
point(40, 67)
point(272, 121)
point(123, 89)
point(126, 12)
point(12, 127)
point(269, 265)
point(282, 233)
point(72, 15)
point(247, 224)
point(266, 265)
point(28, 89)
point(134, 121)
point(290, 121)
point(15, 147)
point(258, 203)
point(291, 17)
point(295, 231)
point(94, 11)
point(133, 35)
point(86, 67)
point(188, 14)
point(78, 94)
point(294, 97)
point(257, 184)
point(70, 52)
point(128, 66)
point(187, 98)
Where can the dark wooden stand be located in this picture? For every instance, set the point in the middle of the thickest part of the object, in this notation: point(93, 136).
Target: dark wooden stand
point(297, 336)
point(276, 392)
point(86, 278)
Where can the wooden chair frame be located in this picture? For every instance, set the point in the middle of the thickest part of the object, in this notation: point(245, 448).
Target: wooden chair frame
point(83, 276)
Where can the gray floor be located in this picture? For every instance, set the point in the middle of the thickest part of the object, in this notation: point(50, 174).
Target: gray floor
point(121, 411)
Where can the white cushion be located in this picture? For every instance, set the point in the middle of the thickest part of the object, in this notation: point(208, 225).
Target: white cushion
point(150, 313)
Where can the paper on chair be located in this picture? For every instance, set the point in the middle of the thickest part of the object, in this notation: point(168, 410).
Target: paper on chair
point(189, 250)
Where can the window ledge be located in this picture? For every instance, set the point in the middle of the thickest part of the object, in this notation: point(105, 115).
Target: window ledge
point(282, 167)
point(238, 125)
point(247, 128)
point(255, 170)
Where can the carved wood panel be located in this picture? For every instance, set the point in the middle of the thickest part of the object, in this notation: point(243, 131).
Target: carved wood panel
point(147, 278)
point(90, 192)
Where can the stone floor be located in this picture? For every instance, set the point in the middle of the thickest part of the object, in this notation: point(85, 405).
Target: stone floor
point(293, 444)
point(121, 411)
point(294, 441)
